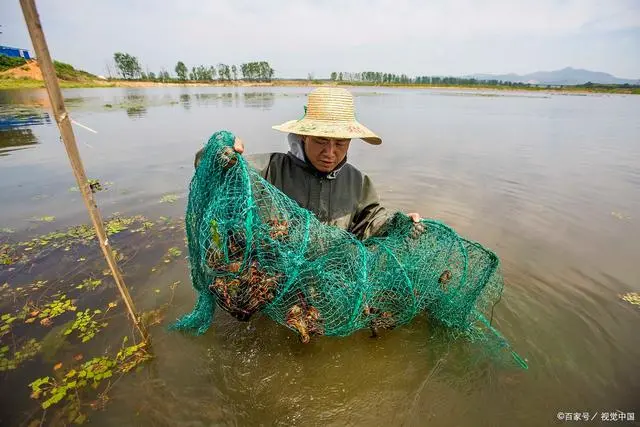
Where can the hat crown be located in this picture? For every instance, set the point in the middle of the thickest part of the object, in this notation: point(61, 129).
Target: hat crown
point(330, 104)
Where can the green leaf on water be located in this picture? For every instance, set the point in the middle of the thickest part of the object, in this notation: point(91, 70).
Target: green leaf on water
point(175, 252)
point(46, 218)
point(169, 198)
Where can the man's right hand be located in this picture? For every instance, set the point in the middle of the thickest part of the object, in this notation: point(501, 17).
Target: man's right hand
point(238, 145)
point(228, 156)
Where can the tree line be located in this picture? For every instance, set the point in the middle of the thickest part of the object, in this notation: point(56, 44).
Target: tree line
point(391, 78)
point(129, 68)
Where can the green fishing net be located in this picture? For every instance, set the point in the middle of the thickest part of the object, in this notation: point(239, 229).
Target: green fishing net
point(253, 249)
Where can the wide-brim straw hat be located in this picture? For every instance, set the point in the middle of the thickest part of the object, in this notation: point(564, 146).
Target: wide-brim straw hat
point(330, 113)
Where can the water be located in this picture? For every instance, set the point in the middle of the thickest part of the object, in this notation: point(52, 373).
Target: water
point(550, 182)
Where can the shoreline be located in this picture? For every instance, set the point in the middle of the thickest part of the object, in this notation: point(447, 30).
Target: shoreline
point(13, 84)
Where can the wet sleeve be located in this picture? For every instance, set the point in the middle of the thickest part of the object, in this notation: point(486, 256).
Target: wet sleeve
point(370, 216)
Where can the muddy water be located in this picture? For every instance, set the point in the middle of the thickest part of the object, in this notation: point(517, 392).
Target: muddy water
point(550, 182)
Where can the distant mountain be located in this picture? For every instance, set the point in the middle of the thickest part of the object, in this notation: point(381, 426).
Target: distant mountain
point(566, 76)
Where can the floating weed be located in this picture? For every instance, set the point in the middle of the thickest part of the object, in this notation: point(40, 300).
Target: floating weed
point(5, 323)
point(85, 325)
point(69, 385)
point(8, 254)
point(117, 225)
point(146, 225)
point(80, 234)
point(10, 293)
point(28, 351)
point(95, 185)
point(54, 309)
point(169, 198)
point(89, 283)
point(6, 230)
point(173, 252)
point(118, 256)
point(631, 298)
point(620, 215)
point(45, 219)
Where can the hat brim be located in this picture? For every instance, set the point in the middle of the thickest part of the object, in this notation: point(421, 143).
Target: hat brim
point(330, 129)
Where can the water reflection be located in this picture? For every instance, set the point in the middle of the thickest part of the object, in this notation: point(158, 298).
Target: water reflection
point(227, 99)
point(263, 100)
point(35, 97)
point(14, 139)
point(136, 111)
point(185, 100)
point(15, 125)
point(12, 117)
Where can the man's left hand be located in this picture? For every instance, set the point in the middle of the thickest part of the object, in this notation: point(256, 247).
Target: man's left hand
point(418, 227)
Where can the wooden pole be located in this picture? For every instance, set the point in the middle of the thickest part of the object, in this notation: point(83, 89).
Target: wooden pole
point(64, 124)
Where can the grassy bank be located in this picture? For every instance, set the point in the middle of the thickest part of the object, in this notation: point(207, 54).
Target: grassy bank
point(27, 83)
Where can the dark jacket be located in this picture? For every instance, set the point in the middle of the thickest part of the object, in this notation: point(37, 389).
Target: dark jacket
point(344, 198)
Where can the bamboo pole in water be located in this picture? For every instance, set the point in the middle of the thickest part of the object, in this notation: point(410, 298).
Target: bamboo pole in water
point(64, 124)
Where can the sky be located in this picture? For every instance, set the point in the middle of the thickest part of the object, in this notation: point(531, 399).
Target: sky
point(299, 37)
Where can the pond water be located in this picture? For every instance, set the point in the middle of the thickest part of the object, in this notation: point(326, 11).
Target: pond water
point(550, 182)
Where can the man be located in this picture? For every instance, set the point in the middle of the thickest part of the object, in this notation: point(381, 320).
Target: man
point(315, 172)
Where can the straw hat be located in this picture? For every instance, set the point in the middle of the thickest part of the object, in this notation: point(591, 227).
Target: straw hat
point(330, 114)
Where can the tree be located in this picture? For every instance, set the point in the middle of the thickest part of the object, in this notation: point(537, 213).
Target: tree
point(164, 75)
point(181, 70)
point(152, 75)
point(128, 65)
point(234, 70)
point(334, 76)
point(221, 71)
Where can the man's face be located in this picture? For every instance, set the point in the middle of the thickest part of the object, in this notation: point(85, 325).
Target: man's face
point(325, 153)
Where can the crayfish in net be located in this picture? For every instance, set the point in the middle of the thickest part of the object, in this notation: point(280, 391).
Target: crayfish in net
point(305, 320)
point(241, 286)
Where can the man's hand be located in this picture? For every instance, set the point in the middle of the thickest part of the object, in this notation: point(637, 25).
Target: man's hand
point(238, 145)
point(418, 227)
point(228, 156)
point(414, 216)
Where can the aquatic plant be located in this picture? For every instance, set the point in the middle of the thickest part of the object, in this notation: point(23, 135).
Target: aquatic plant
point(85, 325)
point(631, 298)
point(68, 385)
point(51, 310)
point(28, 351)
point(169, 198)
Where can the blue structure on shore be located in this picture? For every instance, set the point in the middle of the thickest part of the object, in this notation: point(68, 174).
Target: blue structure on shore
point(14, 52)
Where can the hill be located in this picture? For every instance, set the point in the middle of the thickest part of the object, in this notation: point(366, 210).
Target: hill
point(18, 68)
point(564, 77)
